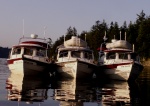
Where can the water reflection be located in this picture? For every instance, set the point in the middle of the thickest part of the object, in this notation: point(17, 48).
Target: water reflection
point(72, 92)
point(75, 93)
point(116, 93)
point(27, 88)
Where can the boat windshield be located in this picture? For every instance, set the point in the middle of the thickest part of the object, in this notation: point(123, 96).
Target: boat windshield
point(16, 50)
point(88, 55)
point(111, 55)
point(63, 54)
point(75, 54)
point(28, 51)
point(123, 56)
point(41, 52)
point(114, 55)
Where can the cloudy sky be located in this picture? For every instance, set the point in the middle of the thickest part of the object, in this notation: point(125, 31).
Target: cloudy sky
point(55, 16)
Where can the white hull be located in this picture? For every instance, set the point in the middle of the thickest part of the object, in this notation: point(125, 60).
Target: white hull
point(75, 59)
point(119, 61)
point(30, 56)
point(25, 67)
point(124, 72)
point(75, 69)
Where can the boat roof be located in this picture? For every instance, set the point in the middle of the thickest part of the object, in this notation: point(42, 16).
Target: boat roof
point(75, 49)
point(118, 50)
point(32, 44)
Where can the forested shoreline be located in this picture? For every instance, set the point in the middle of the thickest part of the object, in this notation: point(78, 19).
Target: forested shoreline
point(137, 33)
point(4, 52)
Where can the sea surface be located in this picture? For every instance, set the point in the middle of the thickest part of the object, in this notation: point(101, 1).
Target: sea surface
point(43, 90)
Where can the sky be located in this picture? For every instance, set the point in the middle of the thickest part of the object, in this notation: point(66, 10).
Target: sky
point(54, 17)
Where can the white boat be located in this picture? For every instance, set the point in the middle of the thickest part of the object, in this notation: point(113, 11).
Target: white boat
point(119, 61)
point(30, 56)
point(75, 60)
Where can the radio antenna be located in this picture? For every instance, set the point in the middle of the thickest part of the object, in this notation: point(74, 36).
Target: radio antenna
point(125, 35)
point(45, 31)
point(120, 35)
point(23, 28)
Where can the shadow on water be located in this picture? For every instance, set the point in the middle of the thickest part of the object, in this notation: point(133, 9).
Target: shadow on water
point(144, 85)
point(78, 92)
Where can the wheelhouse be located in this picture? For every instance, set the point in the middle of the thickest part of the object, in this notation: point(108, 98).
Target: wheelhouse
point(121, 55)
point(18, 51)
point(71, 54)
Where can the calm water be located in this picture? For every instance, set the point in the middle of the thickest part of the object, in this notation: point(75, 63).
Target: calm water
point(17, 90)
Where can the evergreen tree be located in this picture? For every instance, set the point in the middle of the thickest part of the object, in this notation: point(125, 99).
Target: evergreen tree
point(137, 33)
point(113, 31)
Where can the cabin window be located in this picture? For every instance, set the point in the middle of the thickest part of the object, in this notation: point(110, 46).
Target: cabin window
point(111, 55)
point(41, 53)
point(28, 51)
point(63, 54)
point(16, 51)
point(88, 55)
point(123, 56)
point(75, 54)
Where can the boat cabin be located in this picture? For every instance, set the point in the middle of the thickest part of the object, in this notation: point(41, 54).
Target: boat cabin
point(116, 56)
point(37, 53)
point(70, 54)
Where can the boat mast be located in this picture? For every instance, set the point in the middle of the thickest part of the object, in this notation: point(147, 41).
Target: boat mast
point(79, 41)
point(64, 39)
point(44, 31)
point(85, 37)
point(125, 36)
point(133, 48)
point(120, 35)
point(100, 50)
point(23, 28)
point(76, 40)
point(85, 40)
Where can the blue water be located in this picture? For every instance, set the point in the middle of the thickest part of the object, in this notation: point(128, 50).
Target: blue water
point(18, 90)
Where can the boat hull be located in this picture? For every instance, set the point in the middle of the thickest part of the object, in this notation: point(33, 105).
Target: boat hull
point(75, 69)
point(26, 66)
point(135, 71)
point(124, 72)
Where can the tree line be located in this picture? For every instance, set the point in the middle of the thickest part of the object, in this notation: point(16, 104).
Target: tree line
point(4, 52)
point(137, 33)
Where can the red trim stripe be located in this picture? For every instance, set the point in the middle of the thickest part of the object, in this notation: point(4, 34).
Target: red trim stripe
point(11, 61)
point(110, 66)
